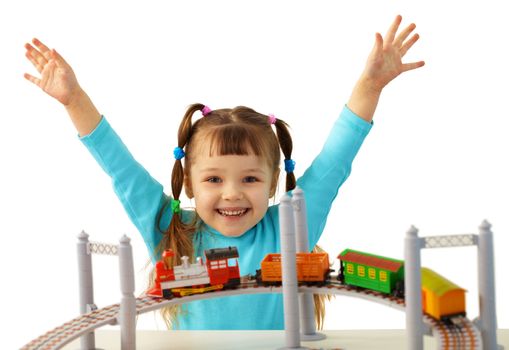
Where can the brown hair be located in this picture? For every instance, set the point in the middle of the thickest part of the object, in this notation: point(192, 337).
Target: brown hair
point(237, 131)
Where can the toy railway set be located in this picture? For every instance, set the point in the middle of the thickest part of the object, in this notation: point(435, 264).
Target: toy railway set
point(433, 305)
point(449, 334)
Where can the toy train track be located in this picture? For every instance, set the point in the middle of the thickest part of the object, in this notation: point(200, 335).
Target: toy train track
point(461, 334)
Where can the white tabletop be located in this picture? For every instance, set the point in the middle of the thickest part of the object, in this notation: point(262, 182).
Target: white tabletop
point(262, 340)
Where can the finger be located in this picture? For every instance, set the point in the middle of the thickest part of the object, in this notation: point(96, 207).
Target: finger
point(35, 55)
point(408, 44)
point(59, 60)
point(32, 79)
point(403, 35)
point(391, 33)
point(411, 66)
point(34, 61)
point(43, 48)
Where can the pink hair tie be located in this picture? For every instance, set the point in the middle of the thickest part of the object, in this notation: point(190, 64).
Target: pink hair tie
point(272, 119)
point(205, 110)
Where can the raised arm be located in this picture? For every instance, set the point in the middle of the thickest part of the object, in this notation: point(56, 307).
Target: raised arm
point(332, 166)
point(383, 65)
point(58, 80)
point(140, 194)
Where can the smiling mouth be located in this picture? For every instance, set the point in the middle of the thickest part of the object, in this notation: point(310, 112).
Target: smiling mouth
point(236, 212)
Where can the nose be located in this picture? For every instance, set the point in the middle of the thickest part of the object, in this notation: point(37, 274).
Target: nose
point(232, 192)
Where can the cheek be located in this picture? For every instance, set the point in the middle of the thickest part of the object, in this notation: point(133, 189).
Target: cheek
point(201, 208)
point(203, 200)
point(261, 197)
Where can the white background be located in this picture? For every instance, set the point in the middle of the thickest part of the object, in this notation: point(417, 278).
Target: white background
point(435, 157)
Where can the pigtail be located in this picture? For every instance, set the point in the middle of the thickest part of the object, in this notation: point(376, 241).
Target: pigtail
point(286, 144)
point(179, 235)
point(183, 136)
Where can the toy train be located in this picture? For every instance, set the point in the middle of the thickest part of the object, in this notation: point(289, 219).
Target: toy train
point(221, 271)
point(442, 299)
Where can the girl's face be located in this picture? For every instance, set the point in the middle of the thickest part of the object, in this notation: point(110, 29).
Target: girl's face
point(231, 192)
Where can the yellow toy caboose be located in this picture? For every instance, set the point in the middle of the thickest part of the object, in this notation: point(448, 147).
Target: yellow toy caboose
point(441, 298)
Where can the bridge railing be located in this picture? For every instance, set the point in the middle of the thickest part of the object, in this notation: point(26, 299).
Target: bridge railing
point(487, 321)
point(127, 313)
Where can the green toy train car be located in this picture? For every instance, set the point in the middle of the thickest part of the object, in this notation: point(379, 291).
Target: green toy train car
point(371, 271)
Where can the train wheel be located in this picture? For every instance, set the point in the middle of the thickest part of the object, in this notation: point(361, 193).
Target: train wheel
point(258, 277)
point(341, 278)
point(232, 283)
point(167, 294)
point(399, 289)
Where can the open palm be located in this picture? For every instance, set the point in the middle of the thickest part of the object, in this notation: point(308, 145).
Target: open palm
point(385, 60)
point(57, 78)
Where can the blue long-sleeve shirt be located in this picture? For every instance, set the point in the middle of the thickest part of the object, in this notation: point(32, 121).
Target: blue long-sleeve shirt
point(143, 197)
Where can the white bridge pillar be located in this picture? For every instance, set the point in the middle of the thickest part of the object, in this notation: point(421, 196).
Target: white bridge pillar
point(127, 313)
point(86, 287)
point(413, 297)
point(289, 274)
point(486, 285)
point(306, 302)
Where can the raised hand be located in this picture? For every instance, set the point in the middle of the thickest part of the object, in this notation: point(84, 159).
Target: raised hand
point(385, 60)
point(383, 65)
point(57, 78)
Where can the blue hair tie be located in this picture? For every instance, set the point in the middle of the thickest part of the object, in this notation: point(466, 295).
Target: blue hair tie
point(179, 153)
point(289, 165)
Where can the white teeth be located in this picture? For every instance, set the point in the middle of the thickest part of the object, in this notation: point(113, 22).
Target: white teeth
point(232, 212)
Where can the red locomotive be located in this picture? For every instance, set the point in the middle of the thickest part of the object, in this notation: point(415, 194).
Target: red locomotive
point(220, 271)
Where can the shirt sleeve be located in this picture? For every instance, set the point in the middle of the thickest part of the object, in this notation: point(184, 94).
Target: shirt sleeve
point(321, 181)
point(140, 194)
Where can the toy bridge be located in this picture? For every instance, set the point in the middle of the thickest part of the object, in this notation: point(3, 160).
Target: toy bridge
point(463, 335)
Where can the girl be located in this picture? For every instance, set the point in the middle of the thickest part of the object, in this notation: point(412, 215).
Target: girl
point(228, 161)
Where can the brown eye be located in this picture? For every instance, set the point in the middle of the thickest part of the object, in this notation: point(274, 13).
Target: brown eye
point(250, 179)
point(214, 179)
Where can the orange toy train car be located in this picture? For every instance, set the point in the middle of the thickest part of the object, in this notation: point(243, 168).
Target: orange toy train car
point(311, 268)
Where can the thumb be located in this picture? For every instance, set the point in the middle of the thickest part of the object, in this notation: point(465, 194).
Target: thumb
point(379, 43)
